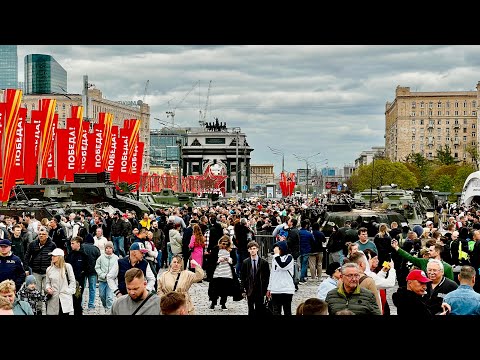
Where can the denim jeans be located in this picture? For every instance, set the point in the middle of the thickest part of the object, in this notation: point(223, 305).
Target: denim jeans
point(106, 294)
point(241, 255)
point(170, 254)
point(304, 266)
point(337, 256)
point(118, 245)
point(92, 288)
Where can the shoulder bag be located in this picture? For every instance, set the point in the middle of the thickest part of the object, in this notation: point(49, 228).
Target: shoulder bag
point(143, 302)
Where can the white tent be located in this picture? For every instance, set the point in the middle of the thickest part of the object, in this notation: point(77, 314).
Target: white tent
point(471, 188)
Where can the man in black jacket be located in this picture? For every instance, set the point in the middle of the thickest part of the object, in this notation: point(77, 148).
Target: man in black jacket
point(38, 259)
point(293, 242)
point(254, 278)
point(92, 253)
point(79, 261)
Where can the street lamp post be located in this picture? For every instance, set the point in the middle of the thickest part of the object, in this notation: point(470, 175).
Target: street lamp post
point(236, 130)
point(279, 152)
point(179, 181)
point(306, 158)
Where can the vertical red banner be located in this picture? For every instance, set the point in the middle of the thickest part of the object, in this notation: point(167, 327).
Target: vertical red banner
point(112, 165)
point(47, 108)
point(135, 176)
point(82, 164)
point(98, 131)
point(107, 137)
point(2, 121)
point(50, 168)
point(89, 164)
point(61, 155)
point(13, 98)
point(122, 155)
point(134, 171)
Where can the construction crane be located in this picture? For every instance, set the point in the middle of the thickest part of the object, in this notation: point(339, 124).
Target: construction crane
point(171, 113)
point(145, 91)
point(204, 113)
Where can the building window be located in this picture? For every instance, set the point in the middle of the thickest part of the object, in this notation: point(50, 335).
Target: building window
point(413, 138)
point(447, 104)
point(464, 138)
point(439, 122)
point(465, 103)
point(430, 113)
point(413, 121)
point(474, 134)
point(464, 113)
point(439, 104)
point(456, 155)
point(464, 155)
point(422, 113)
point(456, 112)
point(439, 113)
point(456, 121)
point(430, 105)
point(447, 139)
point(413, 147)
point(473, 126)
point(421, 121)
point(474, 143)
point(456, 104)
point(465, 121)
point(447, 113)
point(414, 105)
point(422, 105)
point(464, 130)
point(474, 113)
point(412, 113)
point(474, 103)
point(447, 122)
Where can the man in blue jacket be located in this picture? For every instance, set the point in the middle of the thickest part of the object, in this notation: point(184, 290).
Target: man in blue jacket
point(11, 267)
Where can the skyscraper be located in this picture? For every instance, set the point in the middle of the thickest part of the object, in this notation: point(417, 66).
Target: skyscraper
point(44, 75)
point(8, 67)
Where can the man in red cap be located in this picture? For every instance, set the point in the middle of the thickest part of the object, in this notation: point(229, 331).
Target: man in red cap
point(410, 300)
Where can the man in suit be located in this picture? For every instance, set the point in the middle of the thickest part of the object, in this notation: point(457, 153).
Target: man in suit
point(254, 277)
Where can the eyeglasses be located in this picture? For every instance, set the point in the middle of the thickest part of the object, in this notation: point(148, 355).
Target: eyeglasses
point(433, 270)
point(352, 276)
point(42, 234)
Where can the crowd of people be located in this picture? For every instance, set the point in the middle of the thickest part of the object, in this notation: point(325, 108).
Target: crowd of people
point(147, 264)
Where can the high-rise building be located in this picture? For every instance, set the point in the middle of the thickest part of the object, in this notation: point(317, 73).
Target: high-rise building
point(44, 75)
point(426, 122)
point(8, 67)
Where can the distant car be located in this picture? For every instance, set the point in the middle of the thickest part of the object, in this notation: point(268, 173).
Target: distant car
point(297, 194)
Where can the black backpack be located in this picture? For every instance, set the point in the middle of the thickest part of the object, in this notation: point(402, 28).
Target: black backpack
point(82, 230)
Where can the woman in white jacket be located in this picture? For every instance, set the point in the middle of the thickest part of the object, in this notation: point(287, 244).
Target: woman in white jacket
point(280, 286)
point(60, 285)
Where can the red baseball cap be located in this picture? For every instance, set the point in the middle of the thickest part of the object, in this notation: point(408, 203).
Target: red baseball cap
point(418, 275)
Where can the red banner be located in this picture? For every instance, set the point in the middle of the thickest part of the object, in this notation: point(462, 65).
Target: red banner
point(113, 166)
point(3, 108)
point(99, 144)
point(82, 165)
point(62, 146)
point(89, 162)
point(107, 120)
point(47, 107)
point(122, 155)
point(10, 155)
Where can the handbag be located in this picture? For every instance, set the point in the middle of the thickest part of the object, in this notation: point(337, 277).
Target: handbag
point(78, 288)
point(268, 306)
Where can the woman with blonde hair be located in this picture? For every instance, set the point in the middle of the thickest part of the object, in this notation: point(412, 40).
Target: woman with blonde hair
point(60, 285)
point(177, 279)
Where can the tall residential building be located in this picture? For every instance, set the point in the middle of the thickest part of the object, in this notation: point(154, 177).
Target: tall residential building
point(425, 122)
point(8, 67)
point(44, 75)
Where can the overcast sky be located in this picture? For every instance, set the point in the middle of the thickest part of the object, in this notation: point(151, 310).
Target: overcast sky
point(300, 99)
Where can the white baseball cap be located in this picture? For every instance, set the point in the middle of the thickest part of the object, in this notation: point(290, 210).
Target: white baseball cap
point(57, 252)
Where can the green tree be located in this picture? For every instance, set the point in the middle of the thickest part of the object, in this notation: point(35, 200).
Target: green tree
point(382, 172)
point(473, 152)
point(444, 157)
point(461, 175)
point(443, 183)
point(420, 166)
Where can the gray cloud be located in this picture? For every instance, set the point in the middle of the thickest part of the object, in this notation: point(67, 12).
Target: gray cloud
point(299, 98)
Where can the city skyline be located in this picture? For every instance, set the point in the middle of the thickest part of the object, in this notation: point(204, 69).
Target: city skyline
point(300, 99)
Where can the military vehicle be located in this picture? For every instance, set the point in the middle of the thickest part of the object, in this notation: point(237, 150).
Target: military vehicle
point(170, 198)
point(84, 194)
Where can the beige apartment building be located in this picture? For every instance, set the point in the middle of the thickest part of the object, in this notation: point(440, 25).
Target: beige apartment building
point(424, 122)
point(261, 175)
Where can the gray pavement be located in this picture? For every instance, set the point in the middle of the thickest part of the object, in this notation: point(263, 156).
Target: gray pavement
point(199, 295)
